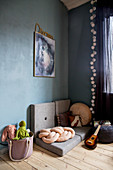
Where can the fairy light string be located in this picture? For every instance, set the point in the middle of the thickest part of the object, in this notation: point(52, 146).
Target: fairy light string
point(93, 55)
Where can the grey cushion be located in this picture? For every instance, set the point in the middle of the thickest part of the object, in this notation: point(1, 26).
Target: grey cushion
point(61, 148)
point(82, 131)
point(62, 106)
point(42, 116)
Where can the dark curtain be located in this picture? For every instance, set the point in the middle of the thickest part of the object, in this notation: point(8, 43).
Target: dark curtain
point(104, 100)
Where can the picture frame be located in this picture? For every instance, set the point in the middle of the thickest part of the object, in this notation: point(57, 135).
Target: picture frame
point(44, 56)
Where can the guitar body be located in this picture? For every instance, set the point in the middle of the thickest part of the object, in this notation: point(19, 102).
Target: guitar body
point(91, 142)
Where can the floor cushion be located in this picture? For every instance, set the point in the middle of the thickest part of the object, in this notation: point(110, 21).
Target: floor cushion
point(61, 148)
point(106, 134)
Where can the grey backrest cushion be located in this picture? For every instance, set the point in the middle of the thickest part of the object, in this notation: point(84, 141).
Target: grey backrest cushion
point(42, 116)
point(62, 106)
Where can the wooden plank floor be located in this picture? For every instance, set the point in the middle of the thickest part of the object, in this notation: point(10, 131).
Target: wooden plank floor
point(101, 158)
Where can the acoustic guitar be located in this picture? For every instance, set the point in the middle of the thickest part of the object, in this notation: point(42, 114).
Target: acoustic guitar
point(91, 142)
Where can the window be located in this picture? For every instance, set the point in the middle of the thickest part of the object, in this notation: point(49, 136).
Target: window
point(108, 54)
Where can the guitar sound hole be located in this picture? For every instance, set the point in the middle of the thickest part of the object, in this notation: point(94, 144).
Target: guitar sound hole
point(92, 138)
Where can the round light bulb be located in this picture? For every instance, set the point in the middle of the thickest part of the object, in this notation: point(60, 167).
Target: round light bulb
point(93, 97)
point(94, 85)
point(92, 55)
point(92, 89)
point(92, 47)
point(91, 108)
point(94, 8)
point(91, 10)
point(91, 18)
point(92, 30)
point(94, 74)
point(94, 44)
point(91, 63)
point(94, 70)
point(92, 67)
point(92, 82)
point(92, 78)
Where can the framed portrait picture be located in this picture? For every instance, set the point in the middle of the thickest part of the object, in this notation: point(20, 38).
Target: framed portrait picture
point(44, 56)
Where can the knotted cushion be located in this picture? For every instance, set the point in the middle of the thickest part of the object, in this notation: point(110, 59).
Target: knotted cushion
point(83, 111)
point(59, 134)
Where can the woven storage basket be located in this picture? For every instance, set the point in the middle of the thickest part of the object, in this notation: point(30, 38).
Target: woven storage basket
point(20, 149)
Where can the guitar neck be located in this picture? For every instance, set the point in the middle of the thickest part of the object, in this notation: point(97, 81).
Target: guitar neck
point(97, 130)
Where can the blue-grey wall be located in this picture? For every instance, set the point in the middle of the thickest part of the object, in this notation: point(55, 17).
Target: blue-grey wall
point(79, 54)
point(18, 87)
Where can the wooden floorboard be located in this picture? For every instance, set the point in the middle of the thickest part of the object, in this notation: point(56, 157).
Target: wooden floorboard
point(4, 165)
point(79, 158)
point(95, 159)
